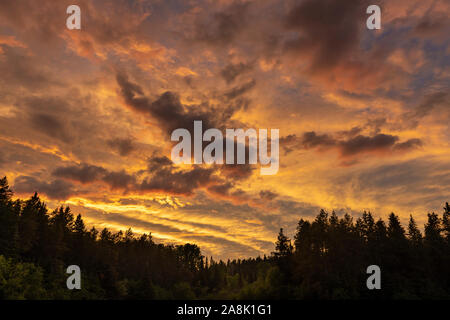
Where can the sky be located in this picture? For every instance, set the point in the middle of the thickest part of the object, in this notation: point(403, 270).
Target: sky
point(86, 115)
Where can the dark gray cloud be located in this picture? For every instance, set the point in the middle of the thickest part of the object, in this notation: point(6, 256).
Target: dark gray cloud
point(361, 144)
point(171, 114)
point(408, 145)
point(124, 146)
point(348, 144)
point(350, 133)
point(55, 189)
point(166, 109)
point(309, 140)
point(222, 189)
point(267, 195)
point(313, 140)
point(161, 175)
point(159, 162)
point(237, 172)
point(177, 182)
point(85, 173)
point(240, 90)
point(82, 173)
point(119, 179)
point(51, 126)
point(327, 30)
point(232, 71)
point(164, 177)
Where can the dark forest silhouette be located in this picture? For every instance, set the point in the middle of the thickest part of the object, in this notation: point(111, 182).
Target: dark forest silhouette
point(327, 260)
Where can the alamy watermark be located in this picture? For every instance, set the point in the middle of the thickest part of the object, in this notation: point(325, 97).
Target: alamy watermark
point(374, 281)
point(374, 20)
point(74, 280)
point(73, 22)
point(214, 151)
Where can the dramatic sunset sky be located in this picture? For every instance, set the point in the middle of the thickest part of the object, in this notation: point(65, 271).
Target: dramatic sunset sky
point(86, 115)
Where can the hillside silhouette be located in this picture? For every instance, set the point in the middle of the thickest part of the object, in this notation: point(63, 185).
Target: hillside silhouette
point(326, 259)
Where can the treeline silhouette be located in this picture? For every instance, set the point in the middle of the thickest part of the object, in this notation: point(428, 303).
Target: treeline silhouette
point(327, 260)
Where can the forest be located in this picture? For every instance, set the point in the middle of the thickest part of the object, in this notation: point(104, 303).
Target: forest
point(326, 259)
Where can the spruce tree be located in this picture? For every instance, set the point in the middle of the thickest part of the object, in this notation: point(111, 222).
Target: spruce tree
point(283, 246)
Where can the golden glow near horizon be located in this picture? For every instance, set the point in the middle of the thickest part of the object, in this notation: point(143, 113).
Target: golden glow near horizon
point(86, 115)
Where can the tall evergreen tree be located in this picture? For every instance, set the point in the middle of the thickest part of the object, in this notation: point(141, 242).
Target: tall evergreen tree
point(8, 220)
point(414, 233)
point(283, 247)
point(395, 229)
point(79, 226)
point(433, 228)
point(446, 222)
point(5, 192)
